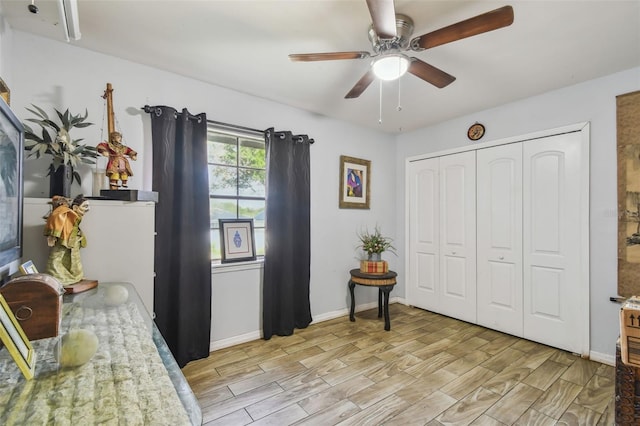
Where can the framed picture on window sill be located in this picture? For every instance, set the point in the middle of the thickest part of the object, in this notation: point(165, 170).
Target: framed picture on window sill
point(237, 239)
point(355, 178)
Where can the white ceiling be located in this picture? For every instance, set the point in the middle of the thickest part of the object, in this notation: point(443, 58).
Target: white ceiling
point(243, 45)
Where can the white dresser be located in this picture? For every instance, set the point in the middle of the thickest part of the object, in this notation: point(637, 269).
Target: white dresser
point(120, 242)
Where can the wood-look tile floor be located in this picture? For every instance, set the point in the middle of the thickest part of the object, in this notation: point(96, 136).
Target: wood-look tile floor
point(428, 370)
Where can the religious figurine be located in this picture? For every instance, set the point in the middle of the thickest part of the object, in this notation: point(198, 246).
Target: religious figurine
point(118, 168)
point(57, 201)
point(65, 238)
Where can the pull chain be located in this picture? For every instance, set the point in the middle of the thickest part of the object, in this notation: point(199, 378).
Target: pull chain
point(399, 108)
point(380, 105)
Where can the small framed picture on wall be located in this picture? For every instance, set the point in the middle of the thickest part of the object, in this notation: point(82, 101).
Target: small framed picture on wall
point(355, 183)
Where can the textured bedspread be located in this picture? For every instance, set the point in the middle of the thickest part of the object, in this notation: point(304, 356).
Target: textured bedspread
point(125, 383)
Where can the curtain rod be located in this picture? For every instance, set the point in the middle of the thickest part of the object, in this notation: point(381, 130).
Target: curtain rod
point(248, 129)
point(234, 127)
point(297, 138)
point(155, 109)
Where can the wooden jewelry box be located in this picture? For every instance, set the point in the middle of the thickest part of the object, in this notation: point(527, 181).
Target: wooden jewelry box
point(36, 302)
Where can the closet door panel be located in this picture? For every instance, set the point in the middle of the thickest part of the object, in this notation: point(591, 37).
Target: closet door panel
point(458, 235)
point(546, 295)
point(424, 223)
point(499, 194)
point(547, 179)
point(427, 280)
point(502, 292)
point(552, 233)
point(453, 277)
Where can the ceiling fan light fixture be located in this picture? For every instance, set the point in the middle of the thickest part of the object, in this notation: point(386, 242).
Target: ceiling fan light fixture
point(390, 67)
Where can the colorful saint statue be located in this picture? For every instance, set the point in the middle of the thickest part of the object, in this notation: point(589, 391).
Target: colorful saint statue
point(65, 238)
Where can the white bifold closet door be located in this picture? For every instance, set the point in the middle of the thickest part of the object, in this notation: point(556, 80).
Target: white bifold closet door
point(529, 239)
point(499, 186)
point(424, 234)
point(525, 204)
point(552, 235)
point(442, 236)
point(458, 235)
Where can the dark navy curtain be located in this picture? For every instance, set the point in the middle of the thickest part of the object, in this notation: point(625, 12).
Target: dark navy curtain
point(182, 294)
point(285, 302)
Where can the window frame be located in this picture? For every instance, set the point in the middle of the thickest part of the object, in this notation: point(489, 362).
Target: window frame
point(238, 133)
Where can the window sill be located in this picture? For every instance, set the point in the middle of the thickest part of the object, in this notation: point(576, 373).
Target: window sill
point(219, 268)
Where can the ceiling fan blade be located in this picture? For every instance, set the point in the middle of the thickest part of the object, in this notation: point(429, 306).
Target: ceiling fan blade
point(499, 18)
point(430, 74)
point(383, 14)
point(308, 57)
point(361, 85)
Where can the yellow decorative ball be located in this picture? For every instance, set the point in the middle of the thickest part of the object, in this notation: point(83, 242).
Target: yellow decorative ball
point(76, 348)
point(116, 295)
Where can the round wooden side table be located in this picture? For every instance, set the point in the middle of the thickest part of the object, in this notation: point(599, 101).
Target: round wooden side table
point(384, 282)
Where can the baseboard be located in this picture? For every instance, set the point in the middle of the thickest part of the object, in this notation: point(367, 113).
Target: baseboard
point(341, 313)
point(603, 358)
point(345, 312)
point(255, 335)
point(235, 340)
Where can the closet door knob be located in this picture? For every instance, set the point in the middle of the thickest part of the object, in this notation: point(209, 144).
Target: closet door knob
point(501, 257)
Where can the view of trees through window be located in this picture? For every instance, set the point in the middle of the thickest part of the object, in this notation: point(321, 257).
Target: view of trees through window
point(236, 182)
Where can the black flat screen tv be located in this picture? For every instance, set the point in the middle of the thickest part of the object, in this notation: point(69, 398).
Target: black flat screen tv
point(11, 187)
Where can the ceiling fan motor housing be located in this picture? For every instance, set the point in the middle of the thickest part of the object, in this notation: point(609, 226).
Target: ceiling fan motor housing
point(404, 30)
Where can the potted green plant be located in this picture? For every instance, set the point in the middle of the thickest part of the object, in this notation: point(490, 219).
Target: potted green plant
point(54, 139)
point(374, 243)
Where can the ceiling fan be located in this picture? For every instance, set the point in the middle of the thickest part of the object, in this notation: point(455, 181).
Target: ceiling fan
point(390, 35)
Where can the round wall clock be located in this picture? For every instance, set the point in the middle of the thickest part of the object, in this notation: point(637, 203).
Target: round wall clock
point(475, 132)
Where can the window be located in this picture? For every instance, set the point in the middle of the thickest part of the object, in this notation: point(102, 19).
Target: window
point(237, 174)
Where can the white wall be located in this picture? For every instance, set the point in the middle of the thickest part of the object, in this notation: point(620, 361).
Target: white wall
point(593, 101)
point(53, 74)
point(5, 50)
point(61, 75)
